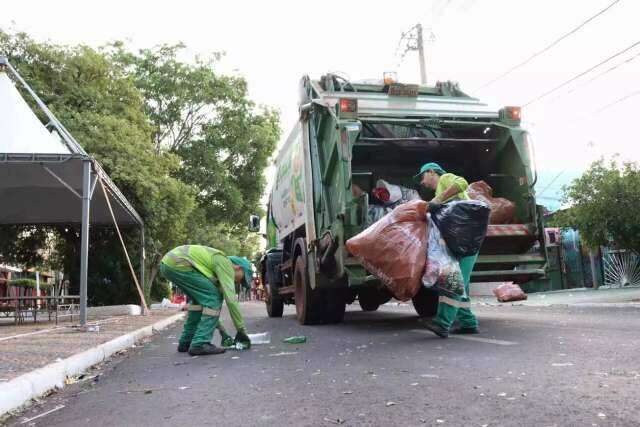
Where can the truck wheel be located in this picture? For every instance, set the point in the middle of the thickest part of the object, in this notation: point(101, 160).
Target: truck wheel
point(274, 302)
point(426, 302)
point(309, 302)
point(335, 305)
point(368, 300)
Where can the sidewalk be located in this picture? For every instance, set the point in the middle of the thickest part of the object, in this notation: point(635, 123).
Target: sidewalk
point(37, 358)
point(579, 296)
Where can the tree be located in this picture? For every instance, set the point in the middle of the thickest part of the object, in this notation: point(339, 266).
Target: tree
point(222, 138)
point(105, 112)
point(184, 144)
point(603, 203)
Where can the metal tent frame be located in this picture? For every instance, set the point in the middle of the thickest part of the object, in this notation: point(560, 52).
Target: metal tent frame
point(60, 179)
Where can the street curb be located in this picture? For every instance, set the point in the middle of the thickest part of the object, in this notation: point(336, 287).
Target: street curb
point(31, 385)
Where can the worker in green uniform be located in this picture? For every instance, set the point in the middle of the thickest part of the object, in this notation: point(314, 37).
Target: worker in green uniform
point(449, 187)
point(207, 276)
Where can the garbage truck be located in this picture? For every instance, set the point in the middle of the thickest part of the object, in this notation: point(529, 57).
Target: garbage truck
point(350, 135)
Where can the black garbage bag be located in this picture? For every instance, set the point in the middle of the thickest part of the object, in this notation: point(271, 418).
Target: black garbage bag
point(463, 225)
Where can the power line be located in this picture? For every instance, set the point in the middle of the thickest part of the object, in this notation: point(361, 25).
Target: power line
point(560, 86)
point(550, 183)
point(597, 76)
point(549, 46)
point(442, 10)
point(624, 98)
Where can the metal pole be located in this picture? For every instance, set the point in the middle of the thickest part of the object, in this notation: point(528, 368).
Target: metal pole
point(84, 239)
point(423, 66)
point(142, 256)
point(594, 272)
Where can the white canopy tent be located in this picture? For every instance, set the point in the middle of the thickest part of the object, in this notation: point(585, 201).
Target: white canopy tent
point(47, 178)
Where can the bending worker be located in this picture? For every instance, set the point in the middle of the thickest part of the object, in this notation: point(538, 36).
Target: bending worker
point(449, 187)
point(207, 276)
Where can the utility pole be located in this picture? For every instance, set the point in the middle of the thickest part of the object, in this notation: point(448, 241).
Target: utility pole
point(423, 66)
point(414, 41)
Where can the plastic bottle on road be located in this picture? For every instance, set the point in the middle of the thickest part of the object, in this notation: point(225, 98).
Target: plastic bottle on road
point(296, 340)
point(261, 338)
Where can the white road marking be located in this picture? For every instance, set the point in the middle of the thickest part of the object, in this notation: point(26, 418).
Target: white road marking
point(470, 338)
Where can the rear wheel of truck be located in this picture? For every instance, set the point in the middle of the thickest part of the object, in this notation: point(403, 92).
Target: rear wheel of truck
point(335, 305)
point(309, 302)
point(426, 302)
point(274, 302)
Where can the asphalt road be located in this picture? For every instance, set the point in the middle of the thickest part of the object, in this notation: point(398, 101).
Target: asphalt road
point(531, 366)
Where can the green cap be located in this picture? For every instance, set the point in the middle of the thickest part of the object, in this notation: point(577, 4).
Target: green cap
point(246, 266)
point(429, 167)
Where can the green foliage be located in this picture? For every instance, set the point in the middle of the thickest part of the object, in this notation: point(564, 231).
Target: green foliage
point(22, 245)
point(29, 283)
point(184, 144)
point(105, 112)
point(603, 205)
point(223, 140)
point(160, 289)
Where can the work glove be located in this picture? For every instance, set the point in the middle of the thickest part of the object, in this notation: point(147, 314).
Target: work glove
point(243, 338)
point(227, 340)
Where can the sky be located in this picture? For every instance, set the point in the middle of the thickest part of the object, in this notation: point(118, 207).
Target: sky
point(273, 44)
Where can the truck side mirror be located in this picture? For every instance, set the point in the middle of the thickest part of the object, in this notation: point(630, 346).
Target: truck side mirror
point(254, 223)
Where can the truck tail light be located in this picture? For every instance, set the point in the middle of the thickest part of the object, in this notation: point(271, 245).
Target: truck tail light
point(348, 105)
point(514, 113)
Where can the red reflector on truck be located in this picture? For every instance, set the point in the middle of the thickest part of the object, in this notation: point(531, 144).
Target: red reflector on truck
point(348, 105)
point(514, 113)
point(494, 230)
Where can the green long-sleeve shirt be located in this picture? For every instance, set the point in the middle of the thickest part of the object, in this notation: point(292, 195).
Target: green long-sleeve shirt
point(214, 265)
point(447, 180)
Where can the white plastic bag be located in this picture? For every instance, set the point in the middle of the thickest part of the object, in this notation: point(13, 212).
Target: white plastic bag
point(442, 270)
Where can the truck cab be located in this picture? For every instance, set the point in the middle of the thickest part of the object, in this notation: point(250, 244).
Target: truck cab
point(350, 136)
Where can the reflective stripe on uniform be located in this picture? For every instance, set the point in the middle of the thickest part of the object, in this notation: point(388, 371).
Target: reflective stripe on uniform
point(210, 312)
point(178, 260)
point(454, 303)
point(194, 307)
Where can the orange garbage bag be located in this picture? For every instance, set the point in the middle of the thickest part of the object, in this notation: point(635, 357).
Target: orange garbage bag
point(502, 210)
point(394, 248)
point(509, 292)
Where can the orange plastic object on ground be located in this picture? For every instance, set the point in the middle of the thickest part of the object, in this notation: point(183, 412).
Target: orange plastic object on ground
point(394, 248)
point(509, 292)
point(502, 210)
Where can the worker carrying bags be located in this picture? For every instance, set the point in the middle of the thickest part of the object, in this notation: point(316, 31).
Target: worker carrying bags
point(394, 248)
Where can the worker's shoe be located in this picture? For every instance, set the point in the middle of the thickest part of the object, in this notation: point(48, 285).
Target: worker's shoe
point(435, 328)
point(465, 331)
point(205, 349)
point(183, 347)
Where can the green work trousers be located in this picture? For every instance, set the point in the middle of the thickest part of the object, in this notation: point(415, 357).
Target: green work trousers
point(458, 308)
point(206, 299)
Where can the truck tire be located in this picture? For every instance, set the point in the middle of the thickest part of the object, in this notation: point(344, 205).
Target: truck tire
point(274, 302)
point(335, 305)
point(309, 302)
point(426, 302)
point(370, 299)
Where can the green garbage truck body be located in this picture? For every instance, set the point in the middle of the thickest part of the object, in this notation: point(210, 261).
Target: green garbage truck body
point(351, 135)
